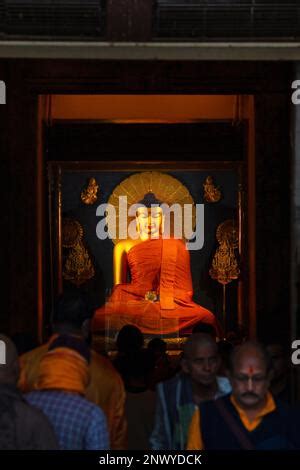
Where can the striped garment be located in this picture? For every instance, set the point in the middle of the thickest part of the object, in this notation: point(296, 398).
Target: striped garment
point(175, 409)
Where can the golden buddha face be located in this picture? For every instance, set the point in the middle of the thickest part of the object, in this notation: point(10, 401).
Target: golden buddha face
point(149, 222)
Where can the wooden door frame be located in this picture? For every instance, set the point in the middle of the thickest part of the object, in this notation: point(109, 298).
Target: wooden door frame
point(43, 77)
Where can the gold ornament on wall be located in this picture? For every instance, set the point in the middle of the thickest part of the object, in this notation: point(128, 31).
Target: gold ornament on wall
point(90, 194)
point(72, 232)
point(78, 267)
point(225, 265)
point(211, 192)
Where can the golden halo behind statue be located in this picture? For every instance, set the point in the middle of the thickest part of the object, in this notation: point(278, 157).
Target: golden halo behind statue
point(166, 188)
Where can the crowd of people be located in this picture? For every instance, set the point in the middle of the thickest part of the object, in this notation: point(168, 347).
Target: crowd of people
point(229, 394)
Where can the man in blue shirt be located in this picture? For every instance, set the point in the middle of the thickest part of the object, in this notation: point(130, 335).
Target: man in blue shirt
point(61, 384)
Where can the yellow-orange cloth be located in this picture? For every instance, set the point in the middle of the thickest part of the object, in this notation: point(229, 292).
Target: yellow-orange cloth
point(161, 265)
point(105, 389)
point(251, 425)
point(195, 440)
point(167, 275)
point(63, 369)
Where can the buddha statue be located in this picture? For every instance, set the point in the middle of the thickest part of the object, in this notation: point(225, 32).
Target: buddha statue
point(158, 298)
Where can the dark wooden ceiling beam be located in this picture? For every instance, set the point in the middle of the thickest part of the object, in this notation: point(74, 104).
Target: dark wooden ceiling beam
point(129, 20)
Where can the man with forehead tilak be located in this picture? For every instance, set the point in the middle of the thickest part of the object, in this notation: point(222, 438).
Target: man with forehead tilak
point(250, 417)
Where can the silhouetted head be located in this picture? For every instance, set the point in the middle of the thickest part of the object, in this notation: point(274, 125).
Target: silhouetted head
point(130, 338)
point(71, 310)
point(157, 347)
point(138, 367)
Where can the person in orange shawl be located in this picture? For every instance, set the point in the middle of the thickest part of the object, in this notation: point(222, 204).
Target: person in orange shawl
point(158, 300)
point(59, 393)
point(105, 388)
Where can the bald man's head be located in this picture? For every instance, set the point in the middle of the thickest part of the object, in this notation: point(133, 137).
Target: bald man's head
point(250, 374)
point(250, 349)
point(9, 364)
point(195, 340)
point(201, 360)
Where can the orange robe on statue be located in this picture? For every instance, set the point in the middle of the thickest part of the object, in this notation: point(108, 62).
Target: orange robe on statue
point(161, 266)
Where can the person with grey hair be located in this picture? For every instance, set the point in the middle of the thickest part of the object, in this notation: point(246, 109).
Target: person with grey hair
point(250, 418)
point(179, 397)
point(22, 426)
